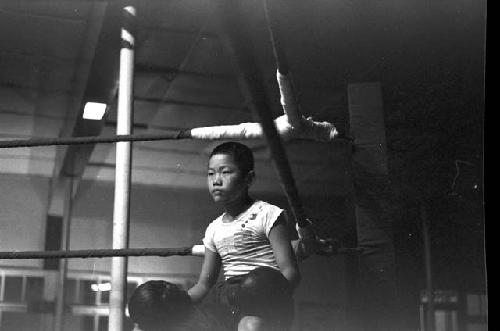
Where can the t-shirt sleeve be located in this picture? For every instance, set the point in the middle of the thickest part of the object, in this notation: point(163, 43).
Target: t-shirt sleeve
point(271, 216)
point(208, 240)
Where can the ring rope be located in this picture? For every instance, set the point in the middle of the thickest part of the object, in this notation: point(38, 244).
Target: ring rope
point(236, 38)
point(288, 98)
point(103, 253)
point(96, 253)
point(273, 27)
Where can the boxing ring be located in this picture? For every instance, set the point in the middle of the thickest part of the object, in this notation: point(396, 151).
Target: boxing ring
point(291, 125)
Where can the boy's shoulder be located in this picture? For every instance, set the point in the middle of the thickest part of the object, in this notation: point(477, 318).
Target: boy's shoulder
point(214, 223)
point(217, 220)
point(264, 205)
point(263, 210)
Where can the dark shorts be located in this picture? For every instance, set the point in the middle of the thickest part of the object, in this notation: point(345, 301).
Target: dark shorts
point(267, 296)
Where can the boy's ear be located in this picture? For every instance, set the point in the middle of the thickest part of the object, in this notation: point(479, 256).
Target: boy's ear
point(250, 178)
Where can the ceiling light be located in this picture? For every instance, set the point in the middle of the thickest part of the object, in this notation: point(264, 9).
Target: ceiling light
point(94, 111)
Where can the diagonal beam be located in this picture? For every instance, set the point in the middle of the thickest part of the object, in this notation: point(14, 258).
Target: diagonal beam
point(72, 123)
point(101, 87)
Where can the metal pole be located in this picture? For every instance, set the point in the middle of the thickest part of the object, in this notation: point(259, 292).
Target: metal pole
point(429, 325)
point(123, 172)
point(63, 264)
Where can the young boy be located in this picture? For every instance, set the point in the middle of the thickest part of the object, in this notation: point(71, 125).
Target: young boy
point(250, 234)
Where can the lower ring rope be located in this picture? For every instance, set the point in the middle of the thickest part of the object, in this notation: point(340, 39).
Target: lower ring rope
point(102, 253)
point(96, 253)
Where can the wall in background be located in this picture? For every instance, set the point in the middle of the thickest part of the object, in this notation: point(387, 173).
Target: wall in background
point(23, 207)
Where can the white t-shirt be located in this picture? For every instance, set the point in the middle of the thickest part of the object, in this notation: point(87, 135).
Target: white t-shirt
point(243, 244)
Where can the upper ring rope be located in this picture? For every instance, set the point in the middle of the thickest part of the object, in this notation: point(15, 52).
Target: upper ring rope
point(91, 140)
point(312, 130)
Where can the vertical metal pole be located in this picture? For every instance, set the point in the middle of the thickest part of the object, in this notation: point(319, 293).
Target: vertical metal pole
point(429, 325)
point(63, 265)
point(123, 172)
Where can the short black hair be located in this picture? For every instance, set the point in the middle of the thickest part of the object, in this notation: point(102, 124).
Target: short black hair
point(241, 154)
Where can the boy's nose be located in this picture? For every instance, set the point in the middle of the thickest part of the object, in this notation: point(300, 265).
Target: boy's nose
point(217, 180)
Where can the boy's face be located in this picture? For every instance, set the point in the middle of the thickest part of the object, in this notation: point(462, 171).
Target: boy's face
point(226, 182)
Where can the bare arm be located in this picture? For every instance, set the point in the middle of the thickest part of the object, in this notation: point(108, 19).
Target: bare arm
point(208, 276)
point(283, 252)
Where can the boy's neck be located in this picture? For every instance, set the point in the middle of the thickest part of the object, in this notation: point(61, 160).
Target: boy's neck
point(238, 207)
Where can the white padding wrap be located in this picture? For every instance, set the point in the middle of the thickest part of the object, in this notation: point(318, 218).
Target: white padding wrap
point(321, 131)
point(287, 99)
point(198, 250)
point(240, 131)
